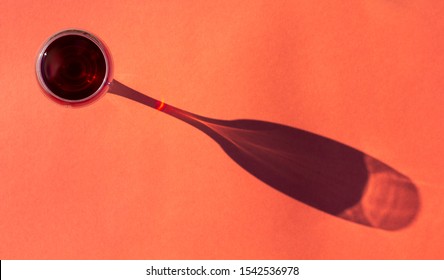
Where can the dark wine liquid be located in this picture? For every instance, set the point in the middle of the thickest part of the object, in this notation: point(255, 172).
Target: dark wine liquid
point(73, 67)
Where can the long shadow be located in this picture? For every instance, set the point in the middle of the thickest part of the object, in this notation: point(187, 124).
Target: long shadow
point(320, 172)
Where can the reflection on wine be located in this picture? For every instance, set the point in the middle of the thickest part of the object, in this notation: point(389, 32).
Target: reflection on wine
point(74, 68)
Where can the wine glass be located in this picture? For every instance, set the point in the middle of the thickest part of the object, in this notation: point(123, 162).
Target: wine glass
point(74, 68)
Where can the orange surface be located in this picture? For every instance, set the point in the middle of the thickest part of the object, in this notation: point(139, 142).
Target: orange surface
point(118, 180)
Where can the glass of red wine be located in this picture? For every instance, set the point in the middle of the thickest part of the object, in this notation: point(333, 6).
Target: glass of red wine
point(74, 67)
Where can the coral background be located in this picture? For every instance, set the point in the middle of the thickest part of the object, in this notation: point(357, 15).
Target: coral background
point(118, 180)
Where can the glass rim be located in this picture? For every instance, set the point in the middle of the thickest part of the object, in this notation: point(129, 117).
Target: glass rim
point(108, 66)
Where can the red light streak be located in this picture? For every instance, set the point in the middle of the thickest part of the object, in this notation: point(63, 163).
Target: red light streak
point(161, 106)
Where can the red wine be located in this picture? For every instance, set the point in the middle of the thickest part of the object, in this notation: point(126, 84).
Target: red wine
point(73, 67)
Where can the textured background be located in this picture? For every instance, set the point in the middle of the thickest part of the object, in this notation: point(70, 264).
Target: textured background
point(118, 180)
